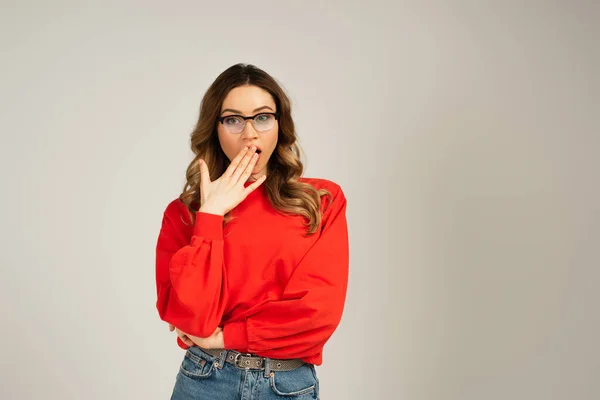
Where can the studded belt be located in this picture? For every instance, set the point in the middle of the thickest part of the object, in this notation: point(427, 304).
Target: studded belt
point(251, 361)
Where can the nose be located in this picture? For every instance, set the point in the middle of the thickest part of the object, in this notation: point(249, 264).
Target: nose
point(249, 132)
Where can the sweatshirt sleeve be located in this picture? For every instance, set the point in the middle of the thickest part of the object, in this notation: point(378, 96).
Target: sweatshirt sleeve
point(191, 279)
point(311, 305)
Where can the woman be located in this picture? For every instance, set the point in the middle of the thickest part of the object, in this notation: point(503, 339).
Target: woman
point(252, 258)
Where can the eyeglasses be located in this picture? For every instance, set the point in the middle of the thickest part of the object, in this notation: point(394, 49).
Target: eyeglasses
point(236, 123)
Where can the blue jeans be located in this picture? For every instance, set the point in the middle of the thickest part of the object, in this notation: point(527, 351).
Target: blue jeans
point(203, 376)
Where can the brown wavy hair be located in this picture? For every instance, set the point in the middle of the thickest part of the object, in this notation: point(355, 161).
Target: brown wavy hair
point(285, 192)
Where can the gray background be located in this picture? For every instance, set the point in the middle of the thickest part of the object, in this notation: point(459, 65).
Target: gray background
point(464, 134)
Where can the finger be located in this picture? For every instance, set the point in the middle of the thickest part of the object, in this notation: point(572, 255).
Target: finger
point(235, 162)
point(249, 168)
point(204, 174)
point(184, 338)
point(187, 340)
point(247, 162)
point(254, 185)
point(235, 176)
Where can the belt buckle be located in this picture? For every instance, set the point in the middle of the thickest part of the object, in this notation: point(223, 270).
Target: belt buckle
point(237, 356)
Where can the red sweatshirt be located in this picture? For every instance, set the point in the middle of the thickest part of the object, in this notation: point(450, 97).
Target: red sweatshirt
point(274, 292)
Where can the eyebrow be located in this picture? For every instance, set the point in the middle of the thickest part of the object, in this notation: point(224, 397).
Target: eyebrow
point(239, 112)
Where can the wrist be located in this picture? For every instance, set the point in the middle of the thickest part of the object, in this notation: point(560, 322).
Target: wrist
point(211, 209)
point(209, 226)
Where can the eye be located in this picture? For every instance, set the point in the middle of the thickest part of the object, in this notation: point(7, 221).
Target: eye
point(233, 120)
point(262, 117)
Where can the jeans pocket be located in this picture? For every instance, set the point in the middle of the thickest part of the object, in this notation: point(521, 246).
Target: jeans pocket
point(297, 382)
point(196, 366)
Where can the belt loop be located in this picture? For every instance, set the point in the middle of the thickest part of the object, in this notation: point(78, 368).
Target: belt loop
point(267, 366)
point(222, 358)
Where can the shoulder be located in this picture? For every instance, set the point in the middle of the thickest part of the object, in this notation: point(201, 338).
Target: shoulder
point(320, 183)
point(175, 206)
point(176, 227)
point(175, 211)
point(337, 200)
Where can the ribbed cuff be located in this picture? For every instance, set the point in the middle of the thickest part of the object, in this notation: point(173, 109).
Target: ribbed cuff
point(209, 226)
point(235, 335)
